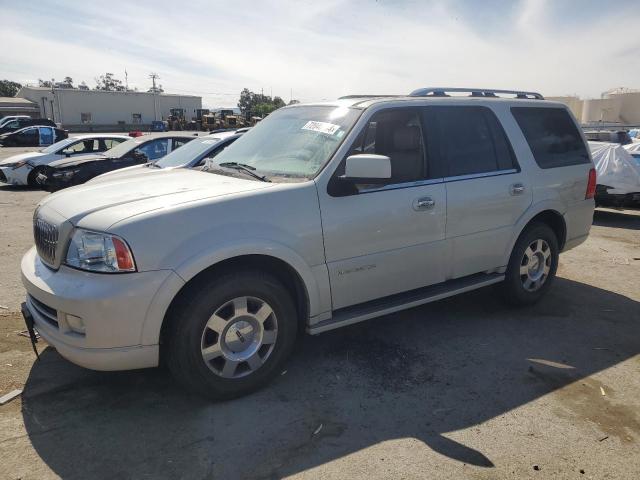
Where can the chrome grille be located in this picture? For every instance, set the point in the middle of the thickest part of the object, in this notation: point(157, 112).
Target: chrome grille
point(46, 238)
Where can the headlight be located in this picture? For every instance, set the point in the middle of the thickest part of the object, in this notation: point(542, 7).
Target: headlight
point(14, 165)
point(65, 174)
point(99, 252)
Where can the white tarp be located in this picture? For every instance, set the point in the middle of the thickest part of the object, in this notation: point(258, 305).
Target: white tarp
point(615, 168)
point(633, 147)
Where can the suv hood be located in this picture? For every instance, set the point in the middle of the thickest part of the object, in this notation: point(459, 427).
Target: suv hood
point(122, 198)
point(20, 157)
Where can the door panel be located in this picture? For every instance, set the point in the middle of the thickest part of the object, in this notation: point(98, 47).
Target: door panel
point(480, 215)
point(379, 243)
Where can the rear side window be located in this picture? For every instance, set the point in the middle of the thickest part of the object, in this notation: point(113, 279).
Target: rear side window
point(552, 136)
point(466, 141)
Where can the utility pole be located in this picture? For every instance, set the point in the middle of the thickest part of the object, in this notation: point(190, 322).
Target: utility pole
point(153, 77)
point(53, 101)
point(126, 80)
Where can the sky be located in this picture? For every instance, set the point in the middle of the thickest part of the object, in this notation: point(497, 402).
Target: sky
point(322, 49)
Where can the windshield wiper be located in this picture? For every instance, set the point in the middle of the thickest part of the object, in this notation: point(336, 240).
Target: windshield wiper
point(242, 167)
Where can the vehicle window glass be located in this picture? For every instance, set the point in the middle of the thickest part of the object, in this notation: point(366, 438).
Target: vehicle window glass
point(107, 143)
point(83, 146)
point(178, 142)
point(292, 142)
point(214, 152)
point(396, 133)
point(552, 136)
point(467, 140)
point(46, 135)
point(154, 149)
point(13, 124)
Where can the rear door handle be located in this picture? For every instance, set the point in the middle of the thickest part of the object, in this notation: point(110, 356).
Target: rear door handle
point(424, 203)
point(516, 189)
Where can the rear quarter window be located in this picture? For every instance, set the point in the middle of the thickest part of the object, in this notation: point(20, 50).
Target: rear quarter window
point(552, 136)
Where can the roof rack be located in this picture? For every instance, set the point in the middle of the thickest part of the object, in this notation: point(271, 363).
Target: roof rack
point(475, 92)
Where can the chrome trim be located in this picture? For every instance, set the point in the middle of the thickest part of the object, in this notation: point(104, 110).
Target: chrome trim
point(397, 186)
point(494, 173)
point(46, 239)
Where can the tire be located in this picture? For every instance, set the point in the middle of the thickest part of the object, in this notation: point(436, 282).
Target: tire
point(209, 318)
point(33, 174)
point(532, 266)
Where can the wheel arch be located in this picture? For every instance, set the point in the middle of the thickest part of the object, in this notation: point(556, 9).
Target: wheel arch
point(548, 214)
point(278, 267)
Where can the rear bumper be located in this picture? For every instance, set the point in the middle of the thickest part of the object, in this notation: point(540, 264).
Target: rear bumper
point(578, 219)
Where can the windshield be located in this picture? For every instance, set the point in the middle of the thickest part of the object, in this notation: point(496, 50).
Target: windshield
point(125, 147)
point(187, 153)
point(292, 142)
point(58, 145)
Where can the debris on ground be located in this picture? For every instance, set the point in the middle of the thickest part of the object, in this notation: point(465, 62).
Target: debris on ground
point(536, 467)
point(9, 396)
point(603, 438)
point(317, 430)
point(602, 391)
point(4, 307)
point(25, 333)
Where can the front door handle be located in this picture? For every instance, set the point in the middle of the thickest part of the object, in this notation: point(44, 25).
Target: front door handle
point(424, 203)
point(516, 189)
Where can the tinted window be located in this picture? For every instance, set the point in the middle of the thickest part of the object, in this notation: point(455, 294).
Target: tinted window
point(178, 142)
point(396, 133)
point(155, 149)
point(466, 140)
point(552, 136)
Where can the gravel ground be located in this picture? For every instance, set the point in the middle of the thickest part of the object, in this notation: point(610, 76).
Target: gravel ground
point(461, 388)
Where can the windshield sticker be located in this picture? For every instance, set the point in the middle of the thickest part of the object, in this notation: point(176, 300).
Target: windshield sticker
point(322, 127)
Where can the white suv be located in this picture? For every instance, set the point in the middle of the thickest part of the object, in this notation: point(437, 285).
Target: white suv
point(321, 216)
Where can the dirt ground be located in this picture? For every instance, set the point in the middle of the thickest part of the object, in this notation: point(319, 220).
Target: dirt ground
point(461, 388)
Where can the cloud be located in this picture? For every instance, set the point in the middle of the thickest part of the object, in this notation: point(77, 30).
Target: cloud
point(322, 50)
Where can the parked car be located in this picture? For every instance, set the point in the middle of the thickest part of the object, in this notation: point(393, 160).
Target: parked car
point(618, 175)
point(135, 151)
point(195, 154)
point(19, 123)
point(321, 216)
point(36, 136)
point(612, 136)
point(9, 118)
point(22, 169)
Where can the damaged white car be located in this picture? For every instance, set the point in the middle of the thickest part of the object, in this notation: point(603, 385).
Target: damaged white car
point(22, 169)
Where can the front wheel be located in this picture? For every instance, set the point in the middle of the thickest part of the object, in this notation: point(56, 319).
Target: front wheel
point(532, 265)
point(33, 175)
point(231, 334)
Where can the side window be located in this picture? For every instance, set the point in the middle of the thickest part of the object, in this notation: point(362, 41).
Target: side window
point(212, 154)
point(46, 135)
point(29, 133)
point(396, 133)
point(13, 124)
point(552, 136)
point(84, 146)
point(178, 142)
point(108, 143)
point(155, 149)
point(466, 140)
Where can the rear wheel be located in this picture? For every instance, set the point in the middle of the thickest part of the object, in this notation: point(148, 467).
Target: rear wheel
point(231, 334)
point(532, 266)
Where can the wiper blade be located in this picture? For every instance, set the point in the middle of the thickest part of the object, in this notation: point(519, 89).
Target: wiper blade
point(248, 169)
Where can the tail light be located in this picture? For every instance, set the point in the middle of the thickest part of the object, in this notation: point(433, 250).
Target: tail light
point(591, 185)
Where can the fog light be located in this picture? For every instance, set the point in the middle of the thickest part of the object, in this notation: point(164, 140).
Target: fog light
point(75, 324)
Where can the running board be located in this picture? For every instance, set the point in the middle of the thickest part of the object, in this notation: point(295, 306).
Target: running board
point(402, 301)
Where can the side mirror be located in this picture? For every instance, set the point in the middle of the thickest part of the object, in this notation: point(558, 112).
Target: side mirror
point(367, 168)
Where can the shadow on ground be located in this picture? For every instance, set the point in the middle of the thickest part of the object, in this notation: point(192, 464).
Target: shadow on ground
point(616, 219)
point(421, 373)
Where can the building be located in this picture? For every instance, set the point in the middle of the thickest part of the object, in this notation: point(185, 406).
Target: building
point(98, 110)
point(619, 106)
point(17, 106)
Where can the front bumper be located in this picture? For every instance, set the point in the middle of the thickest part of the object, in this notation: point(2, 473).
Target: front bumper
point(113, 309)
point(14, 176)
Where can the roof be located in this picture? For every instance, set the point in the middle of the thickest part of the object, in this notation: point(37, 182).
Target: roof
point(99, 135)
point(16, 101)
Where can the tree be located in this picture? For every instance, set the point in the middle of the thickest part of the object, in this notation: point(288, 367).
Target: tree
point(9, 88)
point(83, 86)
point(157, 89)
point(293, 102)
point(109, 83)
point(251, 104)
point(68, 81)
point(44, 83)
